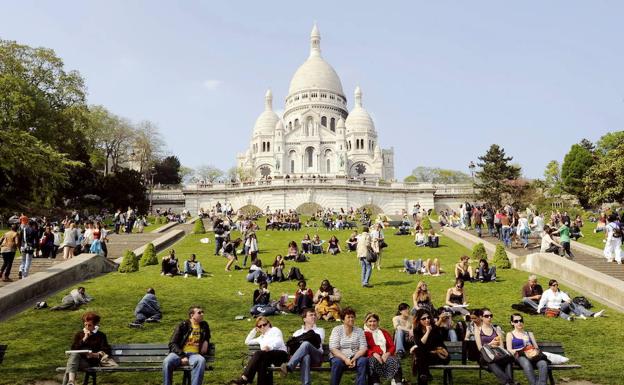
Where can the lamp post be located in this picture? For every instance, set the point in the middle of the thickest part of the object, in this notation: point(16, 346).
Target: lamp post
point(471, 167)
point(152, 172)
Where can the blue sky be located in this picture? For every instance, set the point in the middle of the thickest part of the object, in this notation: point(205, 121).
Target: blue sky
point(442, 80)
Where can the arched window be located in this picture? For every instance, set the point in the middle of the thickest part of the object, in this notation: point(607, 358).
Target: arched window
point(309, 130)
point(310, 156)
point(324, 121)
point(332, 124)
point(292, 166)
point(268, 146)
point(328, 170)
point(263, 146)
point(289, 126)
point(296, 123)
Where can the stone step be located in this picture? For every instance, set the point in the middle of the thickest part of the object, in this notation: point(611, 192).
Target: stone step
point(37, 265)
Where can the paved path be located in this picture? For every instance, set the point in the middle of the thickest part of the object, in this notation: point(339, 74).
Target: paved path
point(591, 261)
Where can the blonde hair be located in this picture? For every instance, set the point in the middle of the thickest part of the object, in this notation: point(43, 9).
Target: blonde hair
point(262, 318)
point(422, 295)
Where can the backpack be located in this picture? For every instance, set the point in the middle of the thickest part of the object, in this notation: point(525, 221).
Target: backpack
point(295, 274)
point(583, 302)
point(617, 230)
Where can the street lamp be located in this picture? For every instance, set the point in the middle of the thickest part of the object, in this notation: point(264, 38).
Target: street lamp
point(471, 167)
point(152, 172)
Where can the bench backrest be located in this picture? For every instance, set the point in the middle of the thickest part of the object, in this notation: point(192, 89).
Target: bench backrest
point(149, 353)
point(3, 349)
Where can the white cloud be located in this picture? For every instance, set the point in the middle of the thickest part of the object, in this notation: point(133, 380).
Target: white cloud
point(212, 84)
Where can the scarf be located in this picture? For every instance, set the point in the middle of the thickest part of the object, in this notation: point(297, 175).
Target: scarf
point(378, 337)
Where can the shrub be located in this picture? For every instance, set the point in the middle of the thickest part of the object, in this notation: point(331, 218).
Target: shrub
point(501, 260)
point(149, 256)
point(199, 227)
point(426, 223)
point(130, 263)
point(433, 215)
point(478, 252)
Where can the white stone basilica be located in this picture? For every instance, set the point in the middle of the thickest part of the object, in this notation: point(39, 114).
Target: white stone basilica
point(317, 134)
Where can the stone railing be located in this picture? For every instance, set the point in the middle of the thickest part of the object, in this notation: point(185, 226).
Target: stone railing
point(307, 182)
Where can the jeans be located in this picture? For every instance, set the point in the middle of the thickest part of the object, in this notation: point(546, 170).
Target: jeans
point(254, 275)
point(527, 368)
point(575, 309)
point(524, 235)
point(566, 249)
point(25, 264)
point(306, 356)
point(412, 266)
point(366, 270)
point(530, 302)
point(401, 342)
point(196, 361)
point(503, 375)
point(478, 228)
point(506, 231)
point(218, 244)
point(260, 362)
point(75, 362)
point(7, 259)
point(489, 275)
point(197, 271)
point(338, 367)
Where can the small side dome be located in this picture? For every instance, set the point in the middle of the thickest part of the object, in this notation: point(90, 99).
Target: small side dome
point(268, 119)
point(359, 119)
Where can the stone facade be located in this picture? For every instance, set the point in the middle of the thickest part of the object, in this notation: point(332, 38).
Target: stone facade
point(317, 135)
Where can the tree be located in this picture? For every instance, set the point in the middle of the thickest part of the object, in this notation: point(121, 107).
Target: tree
point(410, 179)
point(438, 175)
point(112, 137)
point(426, 223)
point(609, 141)
point(208, 173)
point(199, 228)
point(147, 146)
point(604, 180)
point(478, 252)
point(552, 178)
point(149, 256)
point(167, 170)
point(493, 181)
point(124, 188)
point(588, 145)
point(501, 260)
point(575, 165)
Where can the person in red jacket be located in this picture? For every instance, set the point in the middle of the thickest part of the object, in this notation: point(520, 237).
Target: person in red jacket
point(382, 361)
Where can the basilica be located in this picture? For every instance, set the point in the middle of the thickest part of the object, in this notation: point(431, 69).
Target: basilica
point(317, 135)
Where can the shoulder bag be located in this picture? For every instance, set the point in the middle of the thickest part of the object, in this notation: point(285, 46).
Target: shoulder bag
point(495, 355)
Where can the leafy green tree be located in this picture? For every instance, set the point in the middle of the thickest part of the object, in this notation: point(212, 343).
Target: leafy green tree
point(149, 255)
point(426, 223)
point(439, 175)
point(199, 228)
point(604, 181)
point(167, 170)
point(410, 179)
point(493, 180)
point(575, 165)
point(478, 252)
point(208, 173)
point(501, 260)
point(129, 263)
point(124, 188)
point(552, 178)
point(609, 141)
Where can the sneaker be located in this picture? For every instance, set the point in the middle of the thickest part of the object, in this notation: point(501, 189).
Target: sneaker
point(238, 381)
point(284, 369)
point(19, 274)
point(582, 316)
point(135, 325)
point(198, 276)
point(599, 314)
point(185, 275)
point(571, 318)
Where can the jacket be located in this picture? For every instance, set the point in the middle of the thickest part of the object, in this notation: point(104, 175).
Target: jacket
point(374, 348)
point(182, 333)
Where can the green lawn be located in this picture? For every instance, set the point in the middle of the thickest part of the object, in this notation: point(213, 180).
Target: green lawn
point(591, 238)
point(37, 339)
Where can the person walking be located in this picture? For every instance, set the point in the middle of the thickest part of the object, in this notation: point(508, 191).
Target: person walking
point(9, 244)
point(363, 250)
point(613, 243)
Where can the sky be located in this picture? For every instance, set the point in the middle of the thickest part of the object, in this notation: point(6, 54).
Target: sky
point(442, 80)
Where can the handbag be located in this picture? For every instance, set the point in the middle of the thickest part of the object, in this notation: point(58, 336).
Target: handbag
point(441, 352)
point(371, 257)
point(108, 362)
point(495, 355)
point(552, 313)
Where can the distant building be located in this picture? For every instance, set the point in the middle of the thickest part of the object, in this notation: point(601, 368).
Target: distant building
point(317, 135)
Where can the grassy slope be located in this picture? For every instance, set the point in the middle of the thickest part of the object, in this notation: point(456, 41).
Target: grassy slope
point(116, 295)
point(590, 238)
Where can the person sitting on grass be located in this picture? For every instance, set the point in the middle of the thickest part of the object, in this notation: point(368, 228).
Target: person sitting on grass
point(485, 273)
point(293, 251)
point(272, 352)
point(420, 239)
point(317, 245)
point(277, 269)
point(229, 252)
point(532, 292)
point(306, 244)
point(549, 245)
point(352, 242)
point(193, 267)
point(147, 310)
point(89, 338)
point(261, 301)
point(304, 297)
point(310, 351)
point(187, 347)
point(421, 298)
point(256, 274)
point(456, 300)
point(333, 245)
point(327, 299)
point(555, 302)
point(412, 266)
point(433, 239)
point(463, 269)
point(74, 300)
point(169, 265)
point(432, 267)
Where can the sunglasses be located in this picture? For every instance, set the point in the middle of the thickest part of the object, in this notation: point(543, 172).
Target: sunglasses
point(261, 325)
point(488, 315)
point(555, 284)
point(425, 318)
point(517, 321)
point(200, 312)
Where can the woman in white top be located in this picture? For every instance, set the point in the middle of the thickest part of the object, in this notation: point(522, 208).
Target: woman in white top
point(558, 303)
point(272, 352)
point(523, 230)
point(377, 240)
point(548, 243)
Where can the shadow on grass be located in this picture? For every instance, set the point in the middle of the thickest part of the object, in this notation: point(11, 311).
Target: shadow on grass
point(395, 283)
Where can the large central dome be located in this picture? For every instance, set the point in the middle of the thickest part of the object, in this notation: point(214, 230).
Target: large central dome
point(315, 73)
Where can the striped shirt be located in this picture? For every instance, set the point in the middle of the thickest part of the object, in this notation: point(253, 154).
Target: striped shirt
point(348, 345)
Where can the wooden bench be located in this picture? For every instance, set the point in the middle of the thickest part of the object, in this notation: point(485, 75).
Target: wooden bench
point(455, 352)
point(142, 358)
point(254, 348)
point(3, 349)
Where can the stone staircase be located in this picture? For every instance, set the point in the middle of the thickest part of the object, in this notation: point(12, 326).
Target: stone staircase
point(37, 265)
point(591, 261)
